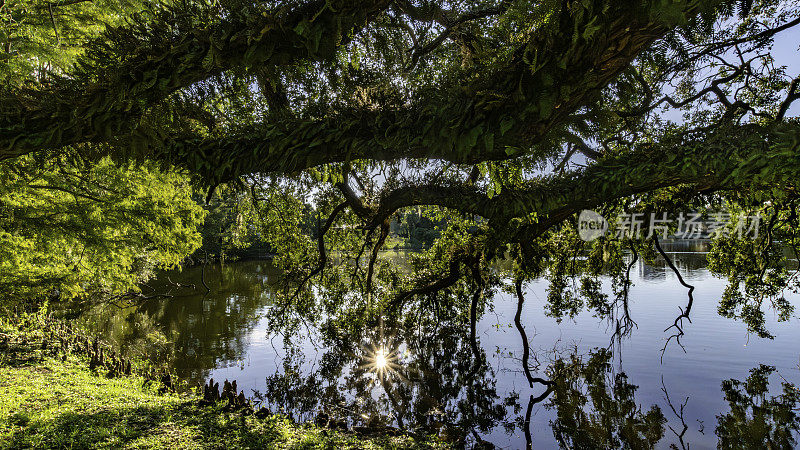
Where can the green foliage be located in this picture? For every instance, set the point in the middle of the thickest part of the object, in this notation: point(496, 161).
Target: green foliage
point(40, 37)
point(757, 419)
point(233, 224)
point(472, 111)
point(418, 229)
point(70, 229)
point(756, 267)
point(614, 419)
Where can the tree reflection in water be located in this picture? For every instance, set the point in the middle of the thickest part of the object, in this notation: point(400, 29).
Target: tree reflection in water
point(595, 408)
point(432, 382)
point(757, 419)
point(184, 328)
point(436, 386)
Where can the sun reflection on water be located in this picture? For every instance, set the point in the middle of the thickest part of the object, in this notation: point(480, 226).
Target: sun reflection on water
point(381, 361)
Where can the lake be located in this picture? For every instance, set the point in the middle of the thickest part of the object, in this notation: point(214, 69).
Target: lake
point(615, 385)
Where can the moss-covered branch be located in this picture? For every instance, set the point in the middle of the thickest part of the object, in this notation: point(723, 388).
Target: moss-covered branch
point(128, 69)
point(498, 109)
point(731, 157)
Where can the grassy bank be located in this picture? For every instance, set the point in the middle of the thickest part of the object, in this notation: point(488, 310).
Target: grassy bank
point(52, 401)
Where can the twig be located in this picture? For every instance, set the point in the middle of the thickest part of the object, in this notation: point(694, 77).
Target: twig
point(524, 336)
point(678, 324)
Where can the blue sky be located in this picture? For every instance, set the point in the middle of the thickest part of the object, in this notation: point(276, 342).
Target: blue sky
point(786, 53)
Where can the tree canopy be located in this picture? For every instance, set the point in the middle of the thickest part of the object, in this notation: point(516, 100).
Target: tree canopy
point(69, 228)
point(502, 118)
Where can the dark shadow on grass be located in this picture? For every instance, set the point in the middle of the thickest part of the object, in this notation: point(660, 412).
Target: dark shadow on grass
point(122, 427)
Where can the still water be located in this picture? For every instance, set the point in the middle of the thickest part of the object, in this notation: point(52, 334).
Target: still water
point(623, 385)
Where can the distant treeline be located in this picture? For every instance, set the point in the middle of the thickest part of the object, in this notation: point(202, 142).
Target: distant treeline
point(229, 230)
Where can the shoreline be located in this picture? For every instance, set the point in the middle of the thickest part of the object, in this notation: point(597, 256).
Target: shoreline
point(59, 394)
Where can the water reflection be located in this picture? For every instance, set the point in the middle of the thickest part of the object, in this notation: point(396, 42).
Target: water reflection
point(691, 265)
point(757, 419)
point(189, 329)
point(596, 408)
point(584, 396)
point(431, 386)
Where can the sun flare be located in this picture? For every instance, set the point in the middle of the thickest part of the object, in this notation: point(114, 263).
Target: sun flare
point(380, 360)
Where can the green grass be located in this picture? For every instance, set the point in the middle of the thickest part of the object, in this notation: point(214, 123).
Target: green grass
point(49, 403)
